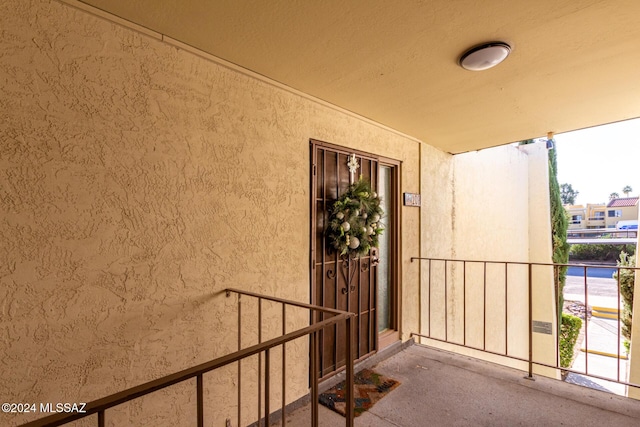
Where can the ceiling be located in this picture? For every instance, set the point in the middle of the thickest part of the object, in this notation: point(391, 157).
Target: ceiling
point(574, 63)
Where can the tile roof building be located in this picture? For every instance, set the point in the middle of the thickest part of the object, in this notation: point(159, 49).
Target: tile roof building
point(621, 210)
point(623, 202)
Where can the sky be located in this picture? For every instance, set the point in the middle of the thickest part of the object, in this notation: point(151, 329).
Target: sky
point(600, 160)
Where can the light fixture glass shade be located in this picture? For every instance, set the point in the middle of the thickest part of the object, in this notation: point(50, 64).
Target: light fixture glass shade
point(485, 56)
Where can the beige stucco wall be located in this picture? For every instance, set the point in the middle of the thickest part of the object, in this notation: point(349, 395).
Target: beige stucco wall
point(500, 205)
point(540, 251)
point(138, 180)
point(490, 201)
point(436, 226)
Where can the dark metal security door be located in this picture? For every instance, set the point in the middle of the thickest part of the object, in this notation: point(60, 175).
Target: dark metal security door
point(329, 279)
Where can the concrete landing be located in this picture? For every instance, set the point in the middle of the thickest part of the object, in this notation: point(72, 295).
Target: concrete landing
point(444, 389)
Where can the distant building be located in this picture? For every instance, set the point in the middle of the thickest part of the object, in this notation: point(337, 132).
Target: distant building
point(591, 216)
point(577, 216)
point(621, 209)
point(602, 216)
point(596, 214)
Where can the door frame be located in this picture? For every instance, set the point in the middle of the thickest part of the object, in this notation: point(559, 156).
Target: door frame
point(391, 335)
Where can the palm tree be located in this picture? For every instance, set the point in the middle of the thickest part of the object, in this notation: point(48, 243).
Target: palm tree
point(613, 196)
point(626, 190)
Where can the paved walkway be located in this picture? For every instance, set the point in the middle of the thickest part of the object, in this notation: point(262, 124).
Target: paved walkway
point(602, 336)
point(444, 389)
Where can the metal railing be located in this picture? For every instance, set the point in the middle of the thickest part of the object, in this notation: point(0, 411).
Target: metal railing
point(262, 349)
point(442, 283)
point(603, 233)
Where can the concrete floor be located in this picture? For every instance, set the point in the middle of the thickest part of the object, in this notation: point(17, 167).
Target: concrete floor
point(443, 389)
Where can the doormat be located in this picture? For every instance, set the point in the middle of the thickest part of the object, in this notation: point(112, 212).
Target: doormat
point(369, 387)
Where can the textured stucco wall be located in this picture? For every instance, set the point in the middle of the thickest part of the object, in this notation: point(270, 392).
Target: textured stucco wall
point(138, 180)
point(499, 211)
point(436, 224)
point(541, 251)
point(488, 220)
point(491, 223)
point(491, 201)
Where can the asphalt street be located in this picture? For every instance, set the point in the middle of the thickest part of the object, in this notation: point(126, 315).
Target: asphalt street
point(596, 286)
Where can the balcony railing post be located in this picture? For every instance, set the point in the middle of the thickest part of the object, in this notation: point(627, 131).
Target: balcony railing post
point(259, 360)
point(559, 308)
point(314, 379)
point(239, 361)
point(429, 286)
point(464, 302)
point(284, 362)
point(530, 281)
point(446, 308)
point(200, 400)
point(586, 324)
point(484, 303)
point(619, 322)
point(267, 388)
point(506, 308)
point(350, 374)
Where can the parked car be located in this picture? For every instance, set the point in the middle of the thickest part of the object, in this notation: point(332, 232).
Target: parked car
point(627, 225)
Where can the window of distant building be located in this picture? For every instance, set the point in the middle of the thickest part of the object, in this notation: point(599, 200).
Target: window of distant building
point(600, 215)
point(615, 214)
point(575, 219)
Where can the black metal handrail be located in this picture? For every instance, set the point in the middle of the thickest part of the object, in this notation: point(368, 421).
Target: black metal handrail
point(99, 406)
point(530, 360)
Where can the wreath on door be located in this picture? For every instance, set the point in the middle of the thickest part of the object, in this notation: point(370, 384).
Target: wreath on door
point(354, 222)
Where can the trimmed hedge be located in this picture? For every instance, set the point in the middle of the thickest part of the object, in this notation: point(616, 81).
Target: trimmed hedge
point(627, 279)
point(601, 252)
point(569, 332)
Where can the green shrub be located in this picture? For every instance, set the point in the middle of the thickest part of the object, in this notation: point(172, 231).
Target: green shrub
point(627, 278)
point(559, 224)
point(569, 332)
point(599, 252)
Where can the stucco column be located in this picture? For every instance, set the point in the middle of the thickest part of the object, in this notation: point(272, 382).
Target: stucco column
point(540, 250)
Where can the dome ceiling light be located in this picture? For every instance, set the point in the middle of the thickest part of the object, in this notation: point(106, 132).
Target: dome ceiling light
point(484, 56)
